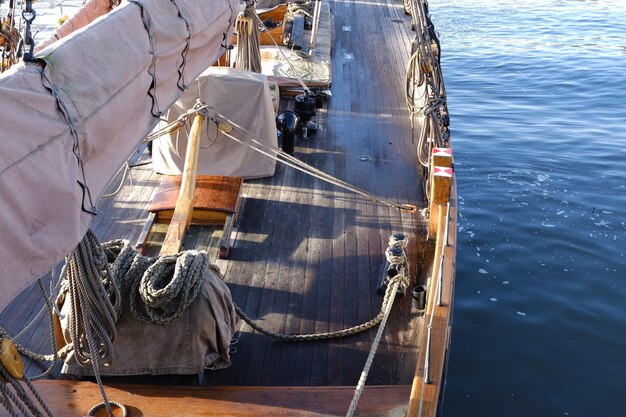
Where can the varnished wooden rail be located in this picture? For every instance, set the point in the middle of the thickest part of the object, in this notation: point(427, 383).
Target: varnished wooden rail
point(428, 380)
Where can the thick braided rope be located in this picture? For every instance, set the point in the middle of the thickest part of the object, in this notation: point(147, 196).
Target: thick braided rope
point(160, 289)
point(399, 259)
point(398, 240)
point(171, 284)
point(387, 300)
point(395, 283)
point(34, 355)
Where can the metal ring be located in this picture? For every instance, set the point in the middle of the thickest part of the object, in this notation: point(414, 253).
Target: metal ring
point(32, 15)
point(111, 403)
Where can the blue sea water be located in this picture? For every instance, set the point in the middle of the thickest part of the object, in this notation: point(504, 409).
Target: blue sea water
point(537, 94)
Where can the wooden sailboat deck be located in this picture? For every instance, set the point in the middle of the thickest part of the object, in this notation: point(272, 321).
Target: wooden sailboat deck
point(307, 256)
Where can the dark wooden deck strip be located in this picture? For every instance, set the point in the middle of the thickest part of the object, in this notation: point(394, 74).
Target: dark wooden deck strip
point(307, 256)
point(332, 247)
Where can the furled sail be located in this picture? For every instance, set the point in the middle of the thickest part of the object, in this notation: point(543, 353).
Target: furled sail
point(70, 121)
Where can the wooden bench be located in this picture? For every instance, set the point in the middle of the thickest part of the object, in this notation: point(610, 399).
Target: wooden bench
point(216, 201)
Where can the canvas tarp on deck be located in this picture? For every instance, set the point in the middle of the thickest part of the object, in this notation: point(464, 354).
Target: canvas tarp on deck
point(241, 96)
point(99, 93)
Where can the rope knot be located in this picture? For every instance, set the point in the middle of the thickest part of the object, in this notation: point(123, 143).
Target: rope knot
point(402, 280)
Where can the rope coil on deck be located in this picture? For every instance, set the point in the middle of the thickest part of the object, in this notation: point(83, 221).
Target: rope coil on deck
point(161, 288)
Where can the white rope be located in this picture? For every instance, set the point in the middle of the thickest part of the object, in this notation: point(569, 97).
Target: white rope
point(290, 160)
point(278, 154)
point(397, 281)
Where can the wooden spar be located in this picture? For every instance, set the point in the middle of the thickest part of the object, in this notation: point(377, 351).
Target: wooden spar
point(184, 204)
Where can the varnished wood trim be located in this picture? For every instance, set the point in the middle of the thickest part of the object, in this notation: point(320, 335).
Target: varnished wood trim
point(74, 399)
point(442, 319)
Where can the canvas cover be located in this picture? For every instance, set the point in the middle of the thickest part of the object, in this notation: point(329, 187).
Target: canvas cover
point(241, 96)
point(198, 339)
point(99, 91)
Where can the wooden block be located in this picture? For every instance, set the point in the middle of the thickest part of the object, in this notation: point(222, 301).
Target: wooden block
point(141, 240)
point(442, 157)
point(440, 183)
point(224, 244)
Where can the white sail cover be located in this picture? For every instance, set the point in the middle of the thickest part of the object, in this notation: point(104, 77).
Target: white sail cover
point(76, 119)
point(241, 96)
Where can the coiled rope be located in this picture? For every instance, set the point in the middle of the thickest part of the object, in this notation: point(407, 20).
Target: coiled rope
point(93, 316)
point(161, 288)
point(424, 69)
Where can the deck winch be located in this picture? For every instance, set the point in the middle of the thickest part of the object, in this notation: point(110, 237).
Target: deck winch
point(305, 106)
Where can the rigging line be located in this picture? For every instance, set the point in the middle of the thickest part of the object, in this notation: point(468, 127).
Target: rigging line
point(126, 174)
point(281, 156)
point(411, 84)
point(295, 72)
point(285, 158)
point(19, 397)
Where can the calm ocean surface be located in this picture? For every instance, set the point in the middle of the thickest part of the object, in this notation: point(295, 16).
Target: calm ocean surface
point(537, 93)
